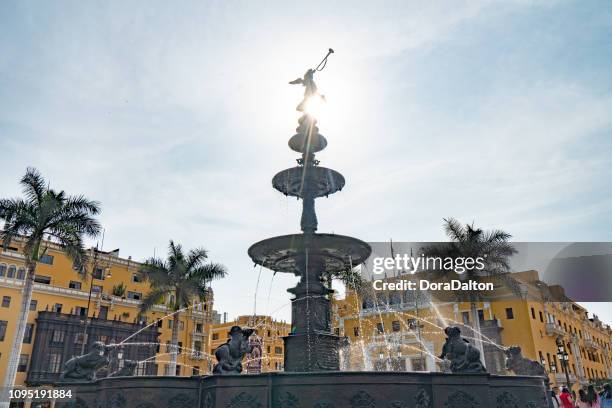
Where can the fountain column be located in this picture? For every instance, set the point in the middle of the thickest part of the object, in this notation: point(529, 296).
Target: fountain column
point(311, 346)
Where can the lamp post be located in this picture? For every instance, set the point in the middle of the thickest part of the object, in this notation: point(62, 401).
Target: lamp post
point(94, 267)
point(564, 359)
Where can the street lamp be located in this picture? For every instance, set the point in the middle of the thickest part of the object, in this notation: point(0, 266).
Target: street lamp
point(564, 359)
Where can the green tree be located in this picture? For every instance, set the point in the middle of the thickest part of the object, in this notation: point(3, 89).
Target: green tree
point(178, 281)
point(468, 241)
point(42, 217)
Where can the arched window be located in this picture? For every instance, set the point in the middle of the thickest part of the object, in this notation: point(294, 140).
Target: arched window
point(11, 271)
point(21, 273)
point(2, 269)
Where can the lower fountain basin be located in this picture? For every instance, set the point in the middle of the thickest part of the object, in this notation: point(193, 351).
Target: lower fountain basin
point(282, 253)
point(312, 390)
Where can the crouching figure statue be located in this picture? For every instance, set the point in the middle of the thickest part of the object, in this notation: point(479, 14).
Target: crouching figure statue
point(83, 368)
point(230, 354)
point(520, 365)
point(463, 356)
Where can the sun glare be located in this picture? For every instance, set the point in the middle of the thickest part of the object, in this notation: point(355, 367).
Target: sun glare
point(314, 106)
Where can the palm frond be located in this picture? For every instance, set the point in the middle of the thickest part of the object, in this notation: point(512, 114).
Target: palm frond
point(209, 272)
point(454, 229)
point(34, 185)
point(154, 297)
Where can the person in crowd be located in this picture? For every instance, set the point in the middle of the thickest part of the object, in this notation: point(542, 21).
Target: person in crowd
point(554, 397)
point(606, 397)
point(593, 397)
point(582, 401)
point(566, 398)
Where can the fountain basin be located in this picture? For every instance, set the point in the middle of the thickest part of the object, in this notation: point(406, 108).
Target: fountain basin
point(313, 390)
point(286, 252)
point(322, 181)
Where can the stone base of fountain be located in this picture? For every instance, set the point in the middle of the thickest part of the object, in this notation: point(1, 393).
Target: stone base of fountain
point(313, 390)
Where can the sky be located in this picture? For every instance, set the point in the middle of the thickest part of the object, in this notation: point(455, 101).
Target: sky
point(176, 115)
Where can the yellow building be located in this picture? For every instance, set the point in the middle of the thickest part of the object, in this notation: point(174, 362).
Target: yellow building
point(60, 289)
point(392, 331)
point(268, 333)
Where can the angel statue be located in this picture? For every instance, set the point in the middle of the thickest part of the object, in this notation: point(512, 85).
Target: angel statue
point(308, 82)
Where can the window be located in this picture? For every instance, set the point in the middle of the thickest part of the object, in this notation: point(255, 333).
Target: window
point(134, 295)
point(356, 331)
point(3, 324)
point(57, 308)
point(42, 279)
point(80, 311)
point(46, 259)
point(380, 328)
point(29, 331)
point(12, 270)
point(395, 325)
point(181, 325)
point(269, 350)
point(74, 285)
point(197, 345)
point(466, 317)
point(58, 336)
point(167, 369)
point(80, 338)
point(160, 323)
point(23, 363)
point(480, 315)
point(178, 370)
point(136, 278)
point(33, 304)
point(533, 313)
point(2, 269)
point(6, 301)
point(195, 370)
point(55, 362)
point(98, 273)
point(412, 323)
point(141, 369)
point(76, 266)
point(509, 313)
point(21, 273)
point(215, 336)
point(278, 350)
point(541, 317)
point(198, 328)
point(170, 324)
point(96, 289)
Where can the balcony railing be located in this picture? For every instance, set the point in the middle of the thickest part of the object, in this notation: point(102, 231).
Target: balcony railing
point(552, 329)
point(560, 378)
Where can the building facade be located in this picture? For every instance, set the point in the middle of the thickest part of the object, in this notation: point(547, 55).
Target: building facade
point(107, 302)
point(404, 331)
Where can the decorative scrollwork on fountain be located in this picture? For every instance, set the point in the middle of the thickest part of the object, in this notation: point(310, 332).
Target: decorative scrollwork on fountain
point(244, 400)
point(362, 400)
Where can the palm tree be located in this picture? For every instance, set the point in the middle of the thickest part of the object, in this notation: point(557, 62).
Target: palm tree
point(468, 241)
point(44, 216)
point(178, 280)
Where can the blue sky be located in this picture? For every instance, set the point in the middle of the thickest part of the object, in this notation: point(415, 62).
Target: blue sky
point(176, 115)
